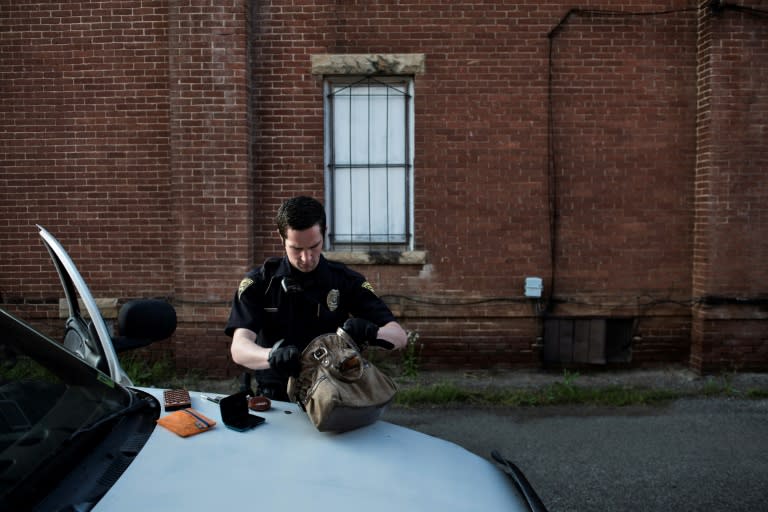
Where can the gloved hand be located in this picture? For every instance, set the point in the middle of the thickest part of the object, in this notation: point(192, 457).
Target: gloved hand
point(284, 359)
point(364, 333)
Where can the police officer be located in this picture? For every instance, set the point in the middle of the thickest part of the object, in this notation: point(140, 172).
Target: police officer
point(285, 303)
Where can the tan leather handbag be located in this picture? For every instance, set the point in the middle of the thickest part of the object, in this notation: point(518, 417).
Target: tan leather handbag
point(338, 388)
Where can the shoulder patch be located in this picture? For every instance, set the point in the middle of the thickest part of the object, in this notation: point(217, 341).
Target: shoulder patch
point(244, 284)
point(368, 286)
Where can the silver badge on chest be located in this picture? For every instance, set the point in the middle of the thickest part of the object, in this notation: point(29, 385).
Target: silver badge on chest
point(332, 300)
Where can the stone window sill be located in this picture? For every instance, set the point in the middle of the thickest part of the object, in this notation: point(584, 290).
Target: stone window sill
point(379, 258)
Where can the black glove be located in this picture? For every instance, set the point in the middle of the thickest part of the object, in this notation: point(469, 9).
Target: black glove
point(364, 333)
point(285, 360)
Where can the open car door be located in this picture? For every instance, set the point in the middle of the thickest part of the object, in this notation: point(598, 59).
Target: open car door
point(86, 332)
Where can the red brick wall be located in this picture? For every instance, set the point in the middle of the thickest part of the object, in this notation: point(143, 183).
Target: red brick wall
point(85, 144)
point(211, 185)
point(157, 144)
point(622, 169)
point(624, 154)
point(624, 136)
point(731, 189)
point(126, 135)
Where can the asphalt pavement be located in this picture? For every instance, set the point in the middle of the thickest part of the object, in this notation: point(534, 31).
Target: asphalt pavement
point(691, 454)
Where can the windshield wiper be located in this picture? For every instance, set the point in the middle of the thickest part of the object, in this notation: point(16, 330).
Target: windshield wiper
point(521, 482)
point(137, 405)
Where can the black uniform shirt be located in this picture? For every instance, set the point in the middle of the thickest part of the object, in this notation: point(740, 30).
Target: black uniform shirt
point(327, 297)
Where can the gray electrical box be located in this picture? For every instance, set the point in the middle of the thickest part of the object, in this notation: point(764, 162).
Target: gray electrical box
point(533, 287)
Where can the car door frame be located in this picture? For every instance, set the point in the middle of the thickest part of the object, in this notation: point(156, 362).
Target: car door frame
point(74, 285)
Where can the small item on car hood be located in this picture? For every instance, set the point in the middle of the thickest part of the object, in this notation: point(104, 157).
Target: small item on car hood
point(186, 422)
point(259, 403)
point(235, 415)
point(176, 399)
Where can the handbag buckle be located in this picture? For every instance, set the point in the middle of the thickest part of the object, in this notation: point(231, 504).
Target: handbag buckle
point(320, 353)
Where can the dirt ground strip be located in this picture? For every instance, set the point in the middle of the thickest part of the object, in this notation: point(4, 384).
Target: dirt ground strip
point(672, 379)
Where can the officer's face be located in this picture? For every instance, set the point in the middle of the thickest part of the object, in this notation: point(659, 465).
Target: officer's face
point(304, 247)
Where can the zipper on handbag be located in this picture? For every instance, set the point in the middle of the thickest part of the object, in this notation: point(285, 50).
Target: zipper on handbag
point(313, 388)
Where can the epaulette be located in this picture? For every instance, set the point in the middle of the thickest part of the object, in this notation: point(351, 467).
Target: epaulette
point(271, 263)
point(335, 264)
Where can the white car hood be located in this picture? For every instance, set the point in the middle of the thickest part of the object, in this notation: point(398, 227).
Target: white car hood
point(285, 464)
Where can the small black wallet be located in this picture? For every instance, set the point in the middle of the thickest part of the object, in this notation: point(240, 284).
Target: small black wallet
point(235, 415)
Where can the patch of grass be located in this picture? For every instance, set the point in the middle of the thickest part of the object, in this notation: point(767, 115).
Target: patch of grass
point(411, 355)
point(558, 393)
point(757, 394)
point(717, 387)
point(144, 373)
point(161, 373)
point(436, 394)
point(23, 368)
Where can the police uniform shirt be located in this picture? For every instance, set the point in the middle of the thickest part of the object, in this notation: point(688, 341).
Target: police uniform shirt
point(314, 303)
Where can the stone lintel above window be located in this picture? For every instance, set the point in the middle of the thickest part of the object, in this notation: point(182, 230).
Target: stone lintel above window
point(369, 64)
point(378, 257)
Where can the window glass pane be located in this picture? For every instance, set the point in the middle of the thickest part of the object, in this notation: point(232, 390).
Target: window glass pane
point(341, 127)
point(369, 202)
point(359, 124)
point(387, 198)
point(379, 136)
point(379, 204)
point(396, 130)
point(397, 198)
point(360, 211)
point(342, 206)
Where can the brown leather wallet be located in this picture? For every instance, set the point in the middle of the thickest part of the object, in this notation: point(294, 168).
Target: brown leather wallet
point(186, 422)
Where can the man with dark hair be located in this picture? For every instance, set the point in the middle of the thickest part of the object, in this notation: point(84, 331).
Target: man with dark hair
point(285, 303)
point(300, 213)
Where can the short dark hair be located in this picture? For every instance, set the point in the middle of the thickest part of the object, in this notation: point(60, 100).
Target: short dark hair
point(300, 213)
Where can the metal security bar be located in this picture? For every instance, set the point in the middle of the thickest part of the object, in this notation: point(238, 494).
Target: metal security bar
point(369, 164)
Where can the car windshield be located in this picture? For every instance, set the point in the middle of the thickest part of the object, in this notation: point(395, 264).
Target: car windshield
point(48, 399)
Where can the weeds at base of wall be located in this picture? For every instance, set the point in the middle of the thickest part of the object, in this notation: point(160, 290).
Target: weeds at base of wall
point(554, 394)
point(163, 374)
point(566, 392)
point(411, 355)
point(160, 373)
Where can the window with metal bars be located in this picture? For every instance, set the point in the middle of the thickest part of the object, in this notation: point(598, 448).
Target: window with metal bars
point(369, 169)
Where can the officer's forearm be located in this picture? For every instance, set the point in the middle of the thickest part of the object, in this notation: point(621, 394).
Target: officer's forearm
point(246, 352)
point(393, 333)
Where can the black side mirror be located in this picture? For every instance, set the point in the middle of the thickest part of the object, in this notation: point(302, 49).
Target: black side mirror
point(142, 322)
